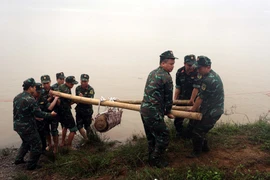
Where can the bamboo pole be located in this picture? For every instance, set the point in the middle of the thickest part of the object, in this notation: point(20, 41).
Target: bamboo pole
point(177, 102)
point(176, 113)
point(179, 108)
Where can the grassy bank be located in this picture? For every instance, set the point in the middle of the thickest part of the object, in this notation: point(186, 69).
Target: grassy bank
point(237, 152)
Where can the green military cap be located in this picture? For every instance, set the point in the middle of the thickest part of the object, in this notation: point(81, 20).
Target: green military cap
point(167, 55)
point(190, 59)
point(203, 61)
point(45, 79)
point(84, 77)
point(60, 75)
point(38, 87)
point(29, 82)
point(71, 79)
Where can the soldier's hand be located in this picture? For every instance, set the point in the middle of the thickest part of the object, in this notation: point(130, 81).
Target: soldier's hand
point(39, 119)
point(170, 115)
point(190, 102)
point(192, 109)
point(80, 94)
point(53, 113)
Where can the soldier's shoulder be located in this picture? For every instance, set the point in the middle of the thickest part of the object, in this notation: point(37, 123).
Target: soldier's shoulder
point(180, 71)
point(78, 87)
point(91, 90)
point(90, 87)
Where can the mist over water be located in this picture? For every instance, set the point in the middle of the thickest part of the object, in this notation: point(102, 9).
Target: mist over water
point(119, 42)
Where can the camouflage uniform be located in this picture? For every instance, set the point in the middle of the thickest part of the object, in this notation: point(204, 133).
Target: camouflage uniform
point(25, 109)
point(51, 124)
point(157, 102)
point(65, 110)
point(186, 83)
point(55, 86)
point(84, 112)
point(43, 105)
point(212, 107)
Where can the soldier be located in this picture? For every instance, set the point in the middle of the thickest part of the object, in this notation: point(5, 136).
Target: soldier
point(60, 78)
point(157, 102)
point(210, 102)
point(84, 112)
point(40, 121)
point(187, 87)
point(25, 109)
point(65, 111)
point(49, 104)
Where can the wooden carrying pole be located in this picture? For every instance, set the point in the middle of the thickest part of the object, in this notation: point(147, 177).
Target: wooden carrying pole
point(177, 102)
point(183, 114)
point(179, 108)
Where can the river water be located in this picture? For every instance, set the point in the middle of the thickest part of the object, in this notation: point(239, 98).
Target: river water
point(118, 45)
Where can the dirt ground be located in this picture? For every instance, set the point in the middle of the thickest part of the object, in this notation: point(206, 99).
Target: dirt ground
point(244, 155)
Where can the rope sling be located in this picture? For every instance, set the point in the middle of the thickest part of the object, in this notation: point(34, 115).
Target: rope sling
point(109, 118)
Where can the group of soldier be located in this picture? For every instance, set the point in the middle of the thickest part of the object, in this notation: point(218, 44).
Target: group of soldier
point(37, 113)
point(196, 82)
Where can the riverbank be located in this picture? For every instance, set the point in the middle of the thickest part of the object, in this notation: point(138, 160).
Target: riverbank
point(237, 152)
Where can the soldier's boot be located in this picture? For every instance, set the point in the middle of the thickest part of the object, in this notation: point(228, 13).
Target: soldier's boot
point(20, 156)
point(150, 151)
point(197, 148)
point(205, 147)
point(178, 124)
point(21, 161)
point(158, 162)
point(32, 163)
point(155, 160)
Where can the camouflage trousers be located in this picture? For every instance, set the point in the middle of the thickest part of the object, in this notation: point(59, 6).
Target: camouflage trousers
point(200, 129)
point(83, 120)
point(67, 120)
point(30, 142)
point(180, 130)
point(157, 134)
point(51, 126)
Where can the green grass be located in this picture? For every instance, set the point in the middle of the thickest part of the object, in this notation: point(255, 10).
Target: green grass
point(22, 176)
point(99, 157)
point(6, 152)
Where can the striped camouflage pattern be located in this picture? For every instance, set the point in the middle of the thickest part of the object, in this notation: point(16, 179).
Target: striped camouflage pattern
point(157, 99)
point(25, 109)
point(212, 94)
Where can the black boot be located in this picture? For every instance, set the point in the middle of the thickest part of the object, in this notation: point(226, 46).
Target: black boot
point(205, 147)
point(194, 154)
point(158, 162)
point(197, 148)
point(16, 162)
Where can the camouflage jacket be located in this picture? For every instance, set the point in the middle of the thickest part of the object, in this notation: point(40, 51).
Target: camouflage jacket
point(43, 103)
point(157, 99)
point(65, 104)
point(212, 94)
point(89, 93)
point(55, 87)
point(25, 109)
point(43, 100)
point(186, 82)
